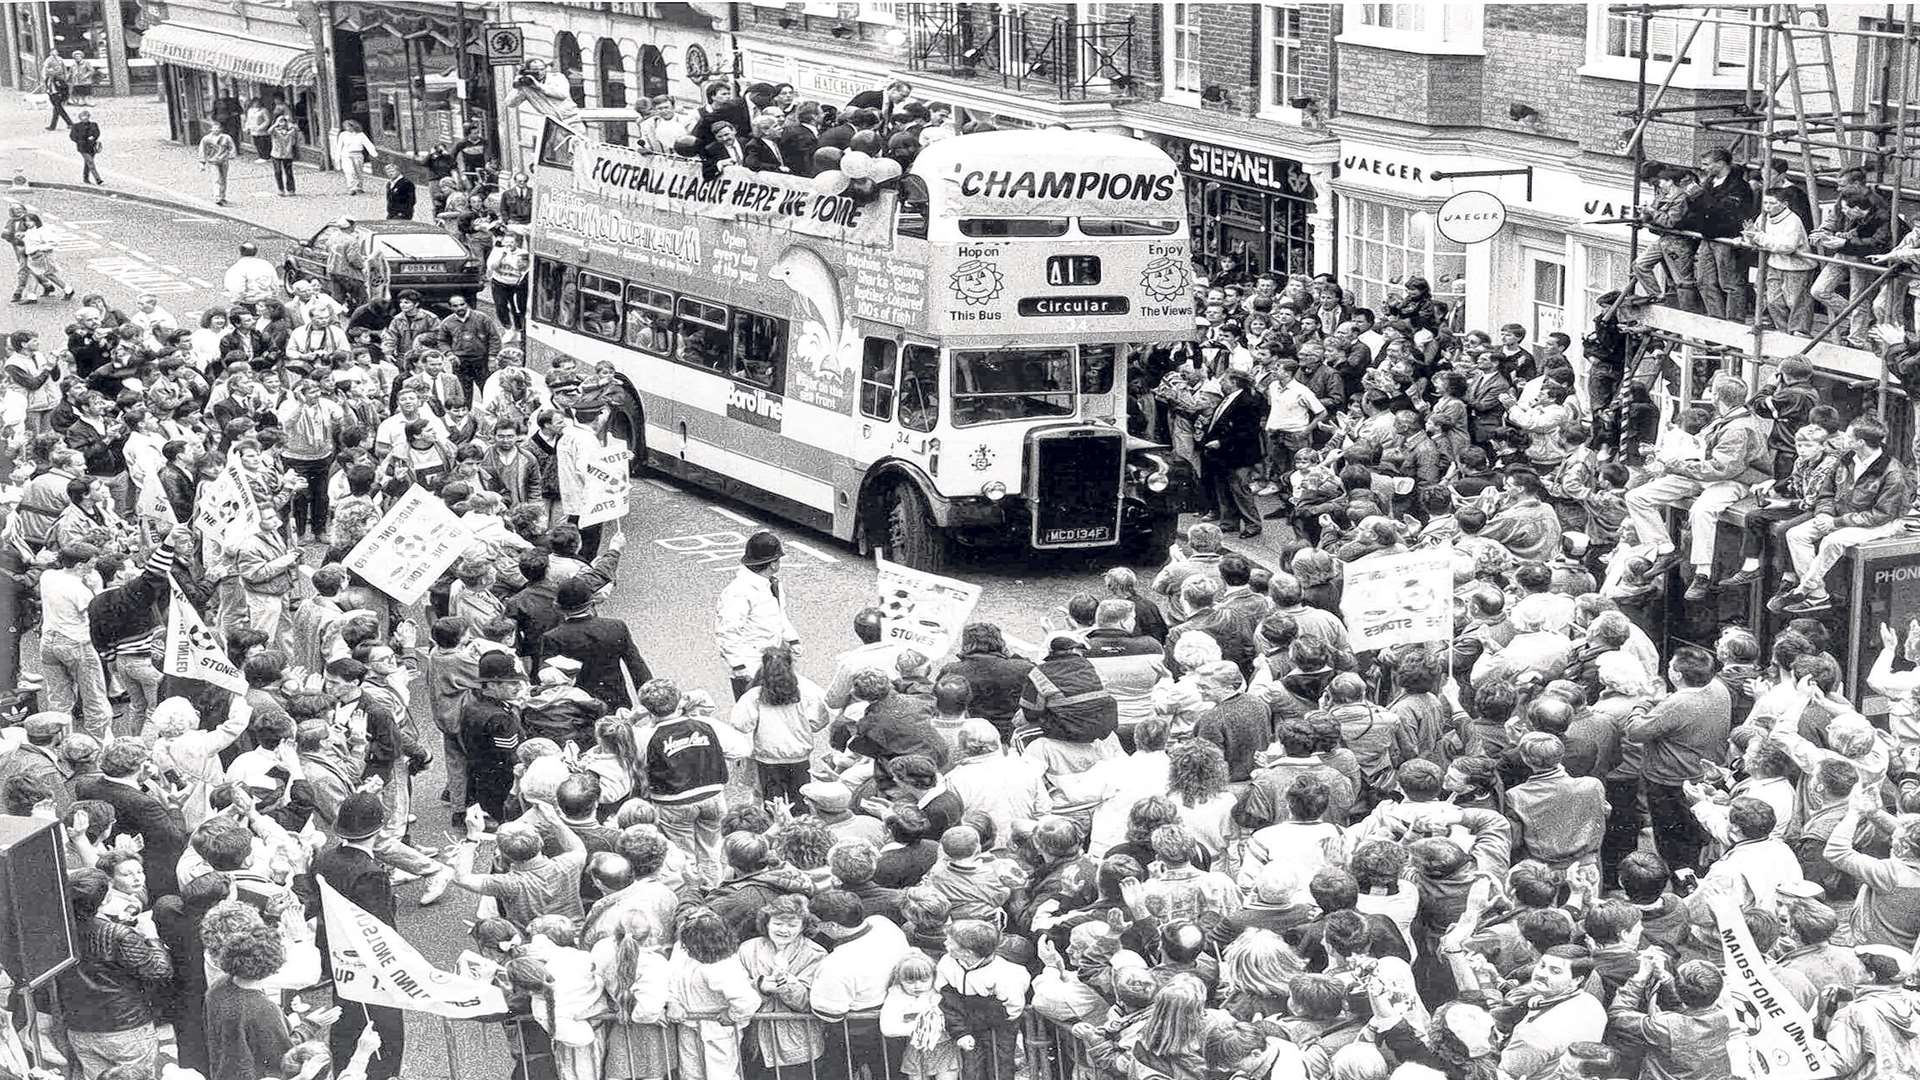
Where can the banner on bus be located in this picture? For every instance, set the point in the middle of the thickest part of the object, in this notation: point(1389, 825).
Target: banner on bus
point(608, 485)
point(999, 186)
point(922, 610)
point(374, 965)
point(1399, 599)
point(410, 546)
point(625, 175)
point(1772, 1037)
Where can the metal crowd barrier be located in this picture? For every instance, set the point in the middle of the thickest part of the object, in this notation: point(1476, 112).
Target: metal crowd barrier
point(1044, 1050)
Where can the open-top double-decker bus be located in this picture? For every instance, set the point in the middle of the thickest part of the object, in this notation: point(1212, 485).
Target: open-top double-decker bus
point(938, 360)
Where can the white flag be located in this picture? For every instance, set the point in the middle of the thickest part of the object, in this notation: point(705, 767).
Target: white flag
point(193, 652)
point(607, 487)
point(922, 610)
point(410, 546)
point(1399, 599)
point(374, 965)
point(226, 513)
point(1772, 1037)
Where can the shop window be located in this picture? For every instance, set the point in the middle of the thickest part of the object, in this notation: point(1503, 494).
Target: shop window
point(759, 349)
point(600, 300)
point(649, 320)
point(1383, 244)
point(653, 73)
point(566, 57)
point(705, 334)
point(920, 388)
point(556, 297)
point(879, 365)
point(612, 72)
point(1606, 270)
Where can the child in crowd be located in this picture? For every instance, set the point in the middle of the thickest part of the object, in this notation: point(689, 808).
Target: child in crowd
point(982, 996)
point(912, 1010)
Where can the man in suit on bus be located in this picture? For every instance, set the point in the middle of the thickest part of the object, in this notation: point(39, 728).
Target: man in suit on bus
point(799, 139)
point(725, 149)
point(763, 152)
point(1229, 448)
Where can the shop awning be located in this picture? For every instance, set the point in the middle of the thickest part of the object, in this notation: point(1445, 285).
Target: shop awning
point(208, 50)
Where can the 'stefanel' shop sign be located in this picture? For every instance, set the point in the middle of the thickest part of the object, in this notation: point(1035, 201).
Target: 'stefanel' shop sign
point(1248, 167)
point(631, 177)
point(1472, 217)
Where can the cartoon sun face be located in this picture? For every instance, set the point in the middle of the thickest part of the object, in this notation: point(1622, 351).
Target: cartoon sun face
point(1165, 278)
point(976, 281)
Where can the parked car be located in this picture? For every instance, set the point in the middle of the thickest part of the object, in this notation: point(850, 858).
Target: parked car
point(417, 255)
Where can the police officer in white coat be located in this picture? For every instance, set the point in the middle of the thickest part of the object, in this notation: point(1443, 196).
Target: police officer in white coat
point(753, 614)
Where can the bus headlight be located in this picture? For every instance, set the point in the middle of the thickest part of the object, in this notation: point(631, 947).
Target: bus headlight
point(994, 490)
point(1157, 482)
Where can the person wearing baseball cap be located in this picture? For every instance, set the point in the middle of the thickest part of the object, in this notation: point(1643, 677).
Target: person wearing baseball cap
point(752, 613)
point(352, 870)
point(830, 803)
point(38, 756)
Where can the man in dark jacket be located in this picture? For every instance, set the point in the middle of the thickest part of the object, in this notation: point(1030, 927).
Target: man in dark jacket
point(1722, 203)
point(401, 194)
point(1866, 499)
point(603, 646)
point(1229, 449)
point(995, 677)
point(1064, 696)
point(535, 609)
point(126, 769)
point(1860, 228)
point(756, 879)
point(351, 869)
point(104, 998)
point(177, 480)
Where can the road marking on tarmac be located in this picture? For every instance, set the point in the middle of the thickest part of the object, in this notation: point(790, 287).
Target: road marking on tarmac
point(201, 284)
point(92, 221)
point(808, 550)
point(737, 519)
point(195, 217)
point(138, 276)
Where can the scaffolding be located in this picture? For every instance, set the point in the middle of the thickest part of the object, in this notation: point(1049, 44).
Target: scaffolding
point(1793, 107)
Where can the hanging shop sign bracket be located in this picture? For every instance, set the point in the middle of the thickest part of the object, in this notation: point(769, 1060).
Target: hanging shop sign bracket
point(1526, 170)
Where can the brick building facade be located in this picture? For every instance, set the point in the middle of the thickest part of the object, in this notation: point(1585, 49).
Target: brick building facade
point(1315, 137)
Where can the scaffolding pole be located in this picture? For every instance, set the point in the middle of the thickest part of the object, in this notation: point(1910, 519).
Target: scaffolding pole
point(1880, 131)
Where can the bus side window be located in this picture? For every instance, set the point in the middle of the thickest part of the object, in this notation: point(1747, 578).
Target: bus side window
point(877, 371)
point(551, 280)
point(920, 389)
point(650, 320)
point(600, 306)
point(913, 208)
point(704, 334)
point(759, 349)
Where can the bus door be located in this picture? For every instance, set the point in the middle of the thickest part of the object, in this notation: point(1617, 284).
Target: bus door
point(899, 404)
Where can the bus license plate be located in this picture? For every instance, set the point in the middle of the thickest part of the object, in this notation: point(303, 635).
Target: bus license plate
point(1076, 536)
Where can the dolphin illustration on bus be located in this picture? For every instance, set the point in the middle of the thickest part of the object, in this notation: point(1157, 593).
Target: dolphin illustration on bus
point(822, 355)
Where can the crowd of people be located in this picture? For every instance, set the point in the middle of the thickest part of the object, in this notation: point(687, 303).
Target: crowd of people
point(1201, 836)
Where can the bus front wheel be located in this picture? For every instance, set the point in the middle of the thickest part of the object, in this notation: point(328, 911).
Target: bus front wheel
point(912, 537)
point(628, 425)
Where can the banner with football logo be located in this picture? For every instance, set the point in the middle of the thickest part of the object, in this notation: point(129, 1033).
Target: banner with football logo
point(225, 513)
point(410, 546)
point(608, 487)
point(374, 965)
point(1772, 1038)
point(1399, 599)
point(922, 610)
point(193, 651)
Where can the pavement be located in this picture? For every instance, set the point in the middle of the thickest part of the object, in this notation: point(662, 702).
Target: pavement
point(140, 163)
